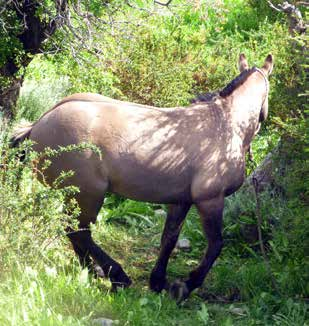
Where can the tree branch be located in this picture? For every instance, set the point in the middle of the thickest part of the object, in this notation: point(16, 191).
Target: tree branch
point(302, 3)
point(294, 16)
point(259, 225)
point(162, 3)
point(273, 6)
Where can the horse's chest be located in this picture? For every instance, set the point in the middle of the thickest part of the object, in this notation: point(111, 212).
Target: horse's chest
point(215, 177)
point(231, 173)
point(234, 181)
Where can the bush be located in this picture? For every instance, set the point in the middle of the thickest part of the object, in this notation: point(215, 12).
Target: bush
point(36, 97)
point(171, 57)
point(33, 217)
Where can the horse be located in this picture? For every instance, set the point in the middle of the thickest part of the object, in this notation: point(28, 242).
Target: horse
point(180, 156)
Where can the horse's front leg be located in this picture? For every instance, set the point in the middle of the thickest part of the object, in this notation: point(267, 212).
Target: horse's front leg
point(211, 212)
point(175, 217)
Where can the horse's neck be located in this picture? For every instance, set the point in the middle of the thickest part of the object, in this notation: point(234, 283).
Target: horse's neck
point(245, 111)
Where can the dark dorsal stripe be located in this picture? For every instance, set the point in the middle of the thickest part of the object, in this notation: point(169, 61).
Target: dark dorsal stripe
point(235, 83)
point(205, 97)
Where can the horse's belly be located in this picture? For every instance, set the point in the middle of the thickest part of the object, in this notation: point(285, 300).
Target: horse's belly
point(153, 195)
point(157, 187)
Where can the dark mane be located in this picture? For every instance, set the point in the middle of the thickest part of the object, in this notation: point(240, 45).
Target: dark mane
point(239, 80)
point(227, 90)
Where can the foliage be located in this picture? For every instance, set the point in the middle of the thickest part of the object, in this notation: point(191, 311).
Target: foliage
point(169, 58)
point(31, 104)
point(164, 58)
point(39, 274)
point(33, 217)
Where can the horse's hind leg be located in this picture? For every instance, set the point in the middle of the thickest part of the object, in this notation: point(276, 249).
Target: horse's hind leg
point(85, 247)
point(211, 215)
point(110, 267)
point(83, 255)
point(172, 228)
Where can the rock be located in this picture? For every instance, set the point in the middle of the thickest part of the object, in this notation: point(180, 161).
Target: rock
point(105, 322)
point(160, 212)
point(238, 311)
point(183, 244)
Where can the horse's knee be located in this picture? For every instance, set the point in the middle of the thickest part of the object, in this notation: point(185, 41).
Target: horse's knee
point(215, 247)
point(169, 240)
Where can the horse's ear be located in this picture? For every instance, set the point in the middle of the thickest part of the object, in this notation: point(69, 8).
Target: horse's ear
point(268, 64)
point(242, 63)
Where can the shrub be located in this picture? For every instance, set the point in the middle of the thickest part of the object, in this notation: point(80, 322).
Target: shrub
point(34, 217)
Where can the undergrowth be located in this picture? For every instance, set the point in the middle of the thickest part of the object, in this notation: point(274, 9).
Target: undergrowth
point(43, 284)
point(163, 62)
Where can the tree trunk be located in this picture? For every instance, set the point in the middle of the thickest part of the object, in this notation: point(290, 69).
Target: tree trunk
point(35, 29)
point(8, 99)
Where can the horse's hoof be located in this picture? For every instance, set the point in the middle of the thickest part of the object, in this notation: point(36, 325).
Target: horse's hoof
point(121, 282)
point(121, 285)
point(119, 278)
point(157, 284)
point(179, 291)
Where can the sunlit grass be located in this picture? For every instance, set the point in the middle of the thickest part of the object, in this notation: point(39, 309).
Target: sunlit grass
point(59, 292)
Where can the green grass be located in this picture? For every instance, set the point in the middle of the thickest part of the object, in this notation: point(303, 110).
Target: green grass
point(56, 291)
point(60, 293)
point(41, 282)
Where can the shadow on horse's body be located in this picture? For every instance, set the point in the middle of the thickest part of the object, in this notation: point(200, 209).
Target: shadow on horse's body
point(178, 156)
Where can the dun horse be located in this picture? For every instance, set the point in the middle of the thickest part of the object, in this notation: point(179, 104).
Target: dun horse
point(177, 156)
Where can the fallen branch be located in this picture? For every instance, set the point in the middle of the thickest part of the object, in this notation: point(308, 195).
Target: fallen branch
point(296, 22)
point(162, 3)
point(259, 225)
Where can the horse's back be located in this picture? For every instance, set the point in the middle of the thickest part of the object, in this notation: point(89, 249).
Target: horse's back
point(140, 157)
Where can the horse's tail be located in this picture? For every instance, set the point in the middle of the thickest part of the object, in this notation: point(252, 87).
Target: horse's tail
point(20, 133)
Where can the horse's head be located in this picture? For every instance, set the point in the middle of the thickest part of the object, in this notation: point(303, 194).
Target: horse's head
point(265, 71)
